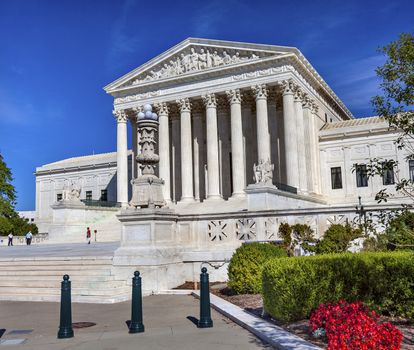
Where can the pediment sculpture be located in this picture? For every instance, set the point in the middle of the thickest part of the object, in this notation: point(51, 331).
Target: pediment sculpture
point(194, 61)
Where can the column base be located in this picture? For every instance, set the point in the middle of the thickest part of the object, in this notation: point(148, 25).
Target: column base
point(186, 200)
point(214, 198)
point(238, 195)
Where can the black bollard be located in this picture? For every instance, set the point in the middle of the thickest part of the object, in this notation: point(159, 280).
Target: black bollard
point(65, 327)
point(205, 313)
point(136, 325)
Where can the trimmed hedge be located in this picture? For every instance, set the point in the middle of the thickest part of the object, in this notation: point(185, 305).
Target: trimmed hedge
point(294, 287)
point(246, 264)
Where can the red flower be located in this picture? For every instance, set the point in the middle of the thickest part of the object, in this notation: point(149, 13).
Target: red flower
point(354, 327)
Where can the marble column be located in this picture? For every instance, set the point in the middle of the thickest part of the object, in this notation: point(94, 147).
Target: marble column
point(238, 163)
point(263, 136)
point(164, 149)
point(297, 98)
point(212, 147)
point(175, 157)
point(309, 141)
point(197, 148)
point(317, 182)
point(134, 131)
point(187, 193)
point(290, 134)
point(122, 158)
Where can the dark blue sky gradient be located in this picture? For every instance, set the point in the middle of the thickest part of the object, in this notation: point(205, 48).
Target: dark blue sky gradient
point(56, 56)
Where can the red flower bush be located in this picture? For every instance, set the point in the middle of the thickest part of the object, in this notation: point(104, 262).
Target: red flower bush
point(354, 327)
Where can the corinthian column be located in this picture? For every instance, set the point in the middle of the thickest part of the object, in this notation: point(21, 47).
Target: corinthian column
point(164, 149)
point(263, 136)
point(238, 167)
point(290, 134)
point(121, 157)
point(212, 147)
point(309, 143)
point(297, 98)
point(198, 144)
point(186, 150)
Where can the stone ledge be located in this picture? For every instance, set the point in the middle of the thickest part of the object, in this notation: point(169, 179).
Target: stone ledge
point(266, 331)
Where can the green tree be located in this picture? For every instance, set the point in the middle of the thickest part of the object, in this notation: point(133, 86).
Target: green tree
point(7, 192)
point(10, 221)
point(395, 104)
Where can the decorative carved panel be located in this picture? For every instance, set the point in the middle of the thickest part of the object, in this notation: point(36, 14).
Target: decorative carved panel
point(246, 229)
point(217, 230)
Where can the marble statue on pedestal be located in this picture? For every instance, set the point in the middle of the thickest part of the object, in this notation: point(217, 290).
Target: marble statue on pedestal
point(263, 172)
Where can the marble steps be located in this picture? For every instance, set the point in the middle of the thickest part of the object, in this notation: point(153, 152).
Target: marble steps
point(58, 278)
point(39, 279)
point(102, 291)
point(75, 298)
point(55, 283)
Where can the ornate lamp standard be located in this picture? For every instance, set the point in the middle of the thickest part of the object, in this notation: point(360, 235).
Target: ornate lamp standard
point(147, 188)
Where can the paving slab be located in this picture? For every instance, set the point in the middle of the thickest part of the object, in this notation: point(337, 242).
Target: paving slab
point(167, 320)
point(59, 250)
point(268, 332)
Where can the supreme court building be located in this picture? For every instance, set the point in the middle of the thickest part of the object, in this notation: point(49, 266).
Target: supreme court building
point(249, 136)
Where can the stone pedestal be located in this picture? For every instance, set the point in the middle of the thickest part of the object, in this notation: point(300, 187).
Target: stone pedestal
point(147, 192)
point(150, 244)
point(68, 223)
point(264, 197)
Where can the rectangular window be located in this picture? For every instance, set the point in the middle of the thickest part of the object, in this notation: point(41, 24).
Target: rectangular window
point(411, 165)
point(387, 175)
point(336, 178)
point(104, 195)
point(88, 195)
point(59, 197)
point(361, 175)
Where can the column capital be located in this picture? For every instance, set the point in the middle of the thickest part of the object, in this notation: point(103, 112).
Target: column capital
point(314, 108)
point(184, 104)
point(260, 91)
point(120, 115)
point(299, 95)
point(162, 108)
point(234, 96)
point(288, 87)
point(307, 102)
point(210, 100)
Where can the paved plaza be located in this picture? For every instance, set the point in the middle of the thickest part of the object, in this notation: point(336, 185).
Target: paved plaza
point(59, 250)
point(167, 319)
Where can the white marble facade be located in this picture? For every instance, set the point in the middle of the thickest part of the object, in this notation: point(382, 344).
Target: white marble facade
point(224, 107)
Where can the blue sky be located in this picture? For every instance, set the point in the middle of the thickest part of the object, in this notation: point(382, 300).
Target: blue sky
point(56, 56)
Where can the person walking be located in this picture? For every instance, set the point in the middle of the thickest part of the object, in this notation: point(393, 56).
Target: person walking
point(29, 237)
point(88, 235)
point(10, 236)
point(95, 232)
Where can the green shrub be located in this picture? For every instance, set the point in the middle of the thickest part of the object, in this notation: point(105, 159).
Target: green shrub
point(400, 233)
point(293, 287)
point(246, 264)
point(336, 239)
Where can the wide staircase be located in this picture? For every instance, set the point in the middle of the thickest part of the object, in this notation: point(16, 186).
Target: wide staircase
point(38, 279)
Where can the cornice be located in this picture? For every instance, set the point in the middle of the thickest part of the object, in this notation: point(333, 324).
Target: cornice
point(299, 65)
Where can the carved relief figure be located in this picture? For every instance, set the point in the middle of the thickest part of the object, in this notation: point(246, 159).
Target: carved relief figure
point(194, 61)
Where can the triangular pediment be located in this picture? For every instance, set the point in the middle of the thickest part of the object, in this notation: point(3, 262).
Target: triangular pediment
point(193, 56)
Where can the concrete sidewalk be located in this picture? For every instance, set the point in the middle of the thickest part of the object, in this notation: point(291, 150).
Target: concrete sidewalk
point(167, 320)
